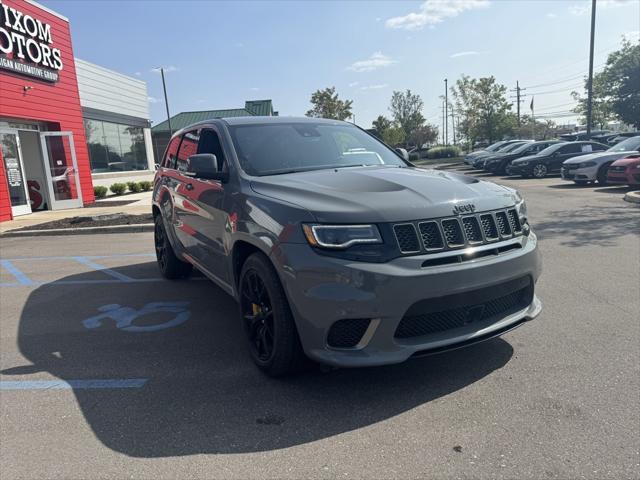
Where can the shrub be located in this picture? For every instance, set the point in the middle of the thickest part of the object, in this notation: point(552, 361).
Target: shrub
point(145, 185)
point(118, 188)
point(100, 191)
point(444, 152)
point(133, 187)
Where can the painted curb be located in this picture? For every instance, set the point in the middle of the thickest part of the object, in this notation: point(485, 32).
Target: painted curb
point(633, 197)
point(137, 228)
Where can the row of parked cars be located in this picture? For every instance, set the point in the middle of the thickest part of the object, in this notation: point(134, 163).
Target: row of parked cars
point(582, 161)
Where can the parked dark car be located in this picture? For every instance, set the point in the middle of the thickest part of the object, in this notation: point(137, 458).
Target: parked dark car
point(479, 162)
point(620, 137)
point(305, 223)
point(583, 135)
point(550, 159)
point(493, 148)
point(498, 163)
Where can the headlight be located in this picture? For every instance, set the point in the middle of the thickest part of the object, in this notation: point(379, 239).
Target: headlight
point(341, 236)
point(521, 208)
point(526, 162)
point(637, 167)
point(586, 164)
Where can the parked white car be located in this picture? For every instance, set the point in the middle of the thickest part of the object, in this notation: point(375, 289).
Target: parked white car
point(589, 168)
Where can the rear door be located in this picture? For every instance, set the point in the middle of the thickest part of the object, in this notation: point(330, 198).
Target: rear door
point(564, 153)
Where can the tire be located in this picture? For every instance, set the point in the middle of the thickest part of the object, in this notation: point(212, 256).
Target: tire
point(268, 323)
point(539, 170)
point(169, 264)
point(602, 174)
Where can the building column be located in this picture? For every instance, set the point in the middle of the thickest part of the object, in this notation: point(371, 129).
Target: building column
point(149, 149)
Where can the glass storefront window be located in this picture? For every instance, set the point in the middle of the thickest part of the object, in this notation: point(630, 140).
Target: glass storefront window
point(115, 147)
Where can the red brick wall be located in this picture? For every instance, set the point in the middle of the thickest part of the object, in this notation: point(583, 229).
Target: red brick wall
point(57, 103)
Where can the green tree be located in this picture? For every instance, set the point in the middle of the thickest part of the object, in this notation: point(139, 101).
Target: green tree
point(484, 109)
point(406, 109)
point(542, 130)
point(423, 134)
point(616, 89)
point(388, 131)
point(326, 104)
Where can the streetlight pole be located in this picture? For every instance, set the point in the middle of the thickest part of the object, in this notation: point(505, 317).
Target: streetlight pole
point(446, 112)
point(590, 84)
point(166, 101)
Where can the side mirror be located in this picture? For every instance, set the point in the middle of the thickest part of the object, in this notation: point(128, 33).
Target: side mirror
point(403, 153)
point(205, 166)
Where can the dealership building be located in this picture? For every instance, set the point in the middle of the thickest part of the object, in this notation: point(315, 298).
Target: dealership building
point(65, 124)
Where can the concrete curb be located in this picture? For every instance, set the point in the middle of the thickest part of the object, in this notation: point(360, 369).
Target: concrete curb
point(141, 227)
point(633, 197)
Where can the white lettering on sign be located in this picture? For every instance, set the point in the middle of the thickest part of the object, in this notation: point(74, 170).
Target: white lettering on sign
point(28, 39)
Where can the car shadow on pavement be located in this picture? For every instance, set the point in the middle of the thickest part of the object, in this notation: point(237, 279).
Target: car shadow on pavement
point(203, 394)
point(590, 225)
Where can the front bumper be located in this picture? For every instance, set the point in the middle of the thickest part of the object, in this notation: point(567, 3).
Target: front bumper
point(322, 290)
point(580, 174)
point(624, 178)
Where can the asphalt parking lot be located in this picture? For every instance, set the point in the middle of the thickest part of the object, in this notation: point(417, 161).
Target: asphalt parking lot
point(108, 371)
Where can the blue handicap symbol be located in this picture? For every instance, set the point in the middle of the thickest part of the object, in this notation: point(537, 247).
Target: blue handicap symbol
point(125, 316)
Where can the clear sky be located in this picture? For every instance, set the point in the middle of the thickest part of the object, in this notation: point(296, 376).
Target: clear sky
point(219, 54)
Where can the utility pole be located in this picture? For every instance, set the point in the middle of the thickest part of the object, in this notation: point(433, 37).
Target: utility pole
point(166, 101)
point(590, 85)
point(443, 122)
point(446, 112)
point(519, 98)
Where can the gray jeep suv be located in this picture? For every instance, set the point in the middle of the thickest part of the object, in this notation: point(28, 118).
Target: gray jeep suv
point(336, 247)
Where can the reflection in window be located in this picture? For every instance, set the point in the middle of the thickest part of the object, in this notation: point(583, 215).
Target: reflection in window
point(115, 147)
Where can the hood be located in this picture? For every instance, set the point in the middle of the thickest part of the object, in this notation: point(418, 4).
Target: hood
point(598, 157)
point(382, 194)
point(628, 160)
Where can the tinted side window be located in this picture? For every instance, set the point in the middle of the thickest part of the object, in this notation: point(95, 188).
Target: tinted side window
point(171, 153)
point(188, 147)
point(574, 148)
point(209, 142)
point(599, 148)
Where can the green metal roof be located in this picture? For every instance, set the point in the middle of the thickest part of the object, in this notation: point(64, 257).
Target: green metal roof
point(259, 107)
point(184, 119)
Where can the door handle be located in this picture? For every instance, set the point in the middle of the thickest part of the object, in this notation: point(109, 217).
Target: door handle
point(189, 186)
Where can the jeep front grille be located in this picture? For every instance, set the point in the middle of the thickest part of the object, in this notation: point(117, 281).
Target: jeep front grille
point(472, 229)
point(457, 232)
point(489, 227)
point(431, 237)
point(407, 237)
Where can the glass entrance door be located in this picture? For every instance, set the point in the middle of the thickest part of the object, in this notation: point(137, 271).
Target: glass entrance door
point(14, 170)
point(61, 169)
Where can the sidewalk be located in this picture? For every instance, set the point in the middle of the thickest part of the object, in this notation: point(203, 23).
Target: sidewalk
point(141, 205)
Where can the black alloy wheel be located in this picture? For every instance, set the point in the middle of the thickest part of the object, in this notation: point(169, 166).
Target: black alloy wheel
point(169, 264)
point(539, 170)
point(271, 331)
point(258, 316)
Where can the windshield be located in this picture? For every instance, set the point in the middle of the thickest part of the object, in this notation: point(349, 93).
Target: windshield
point(627, 145)
point(511, 147)
point(551, 149)
point(495, 146)
point(272, 149)
point(521, 148)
